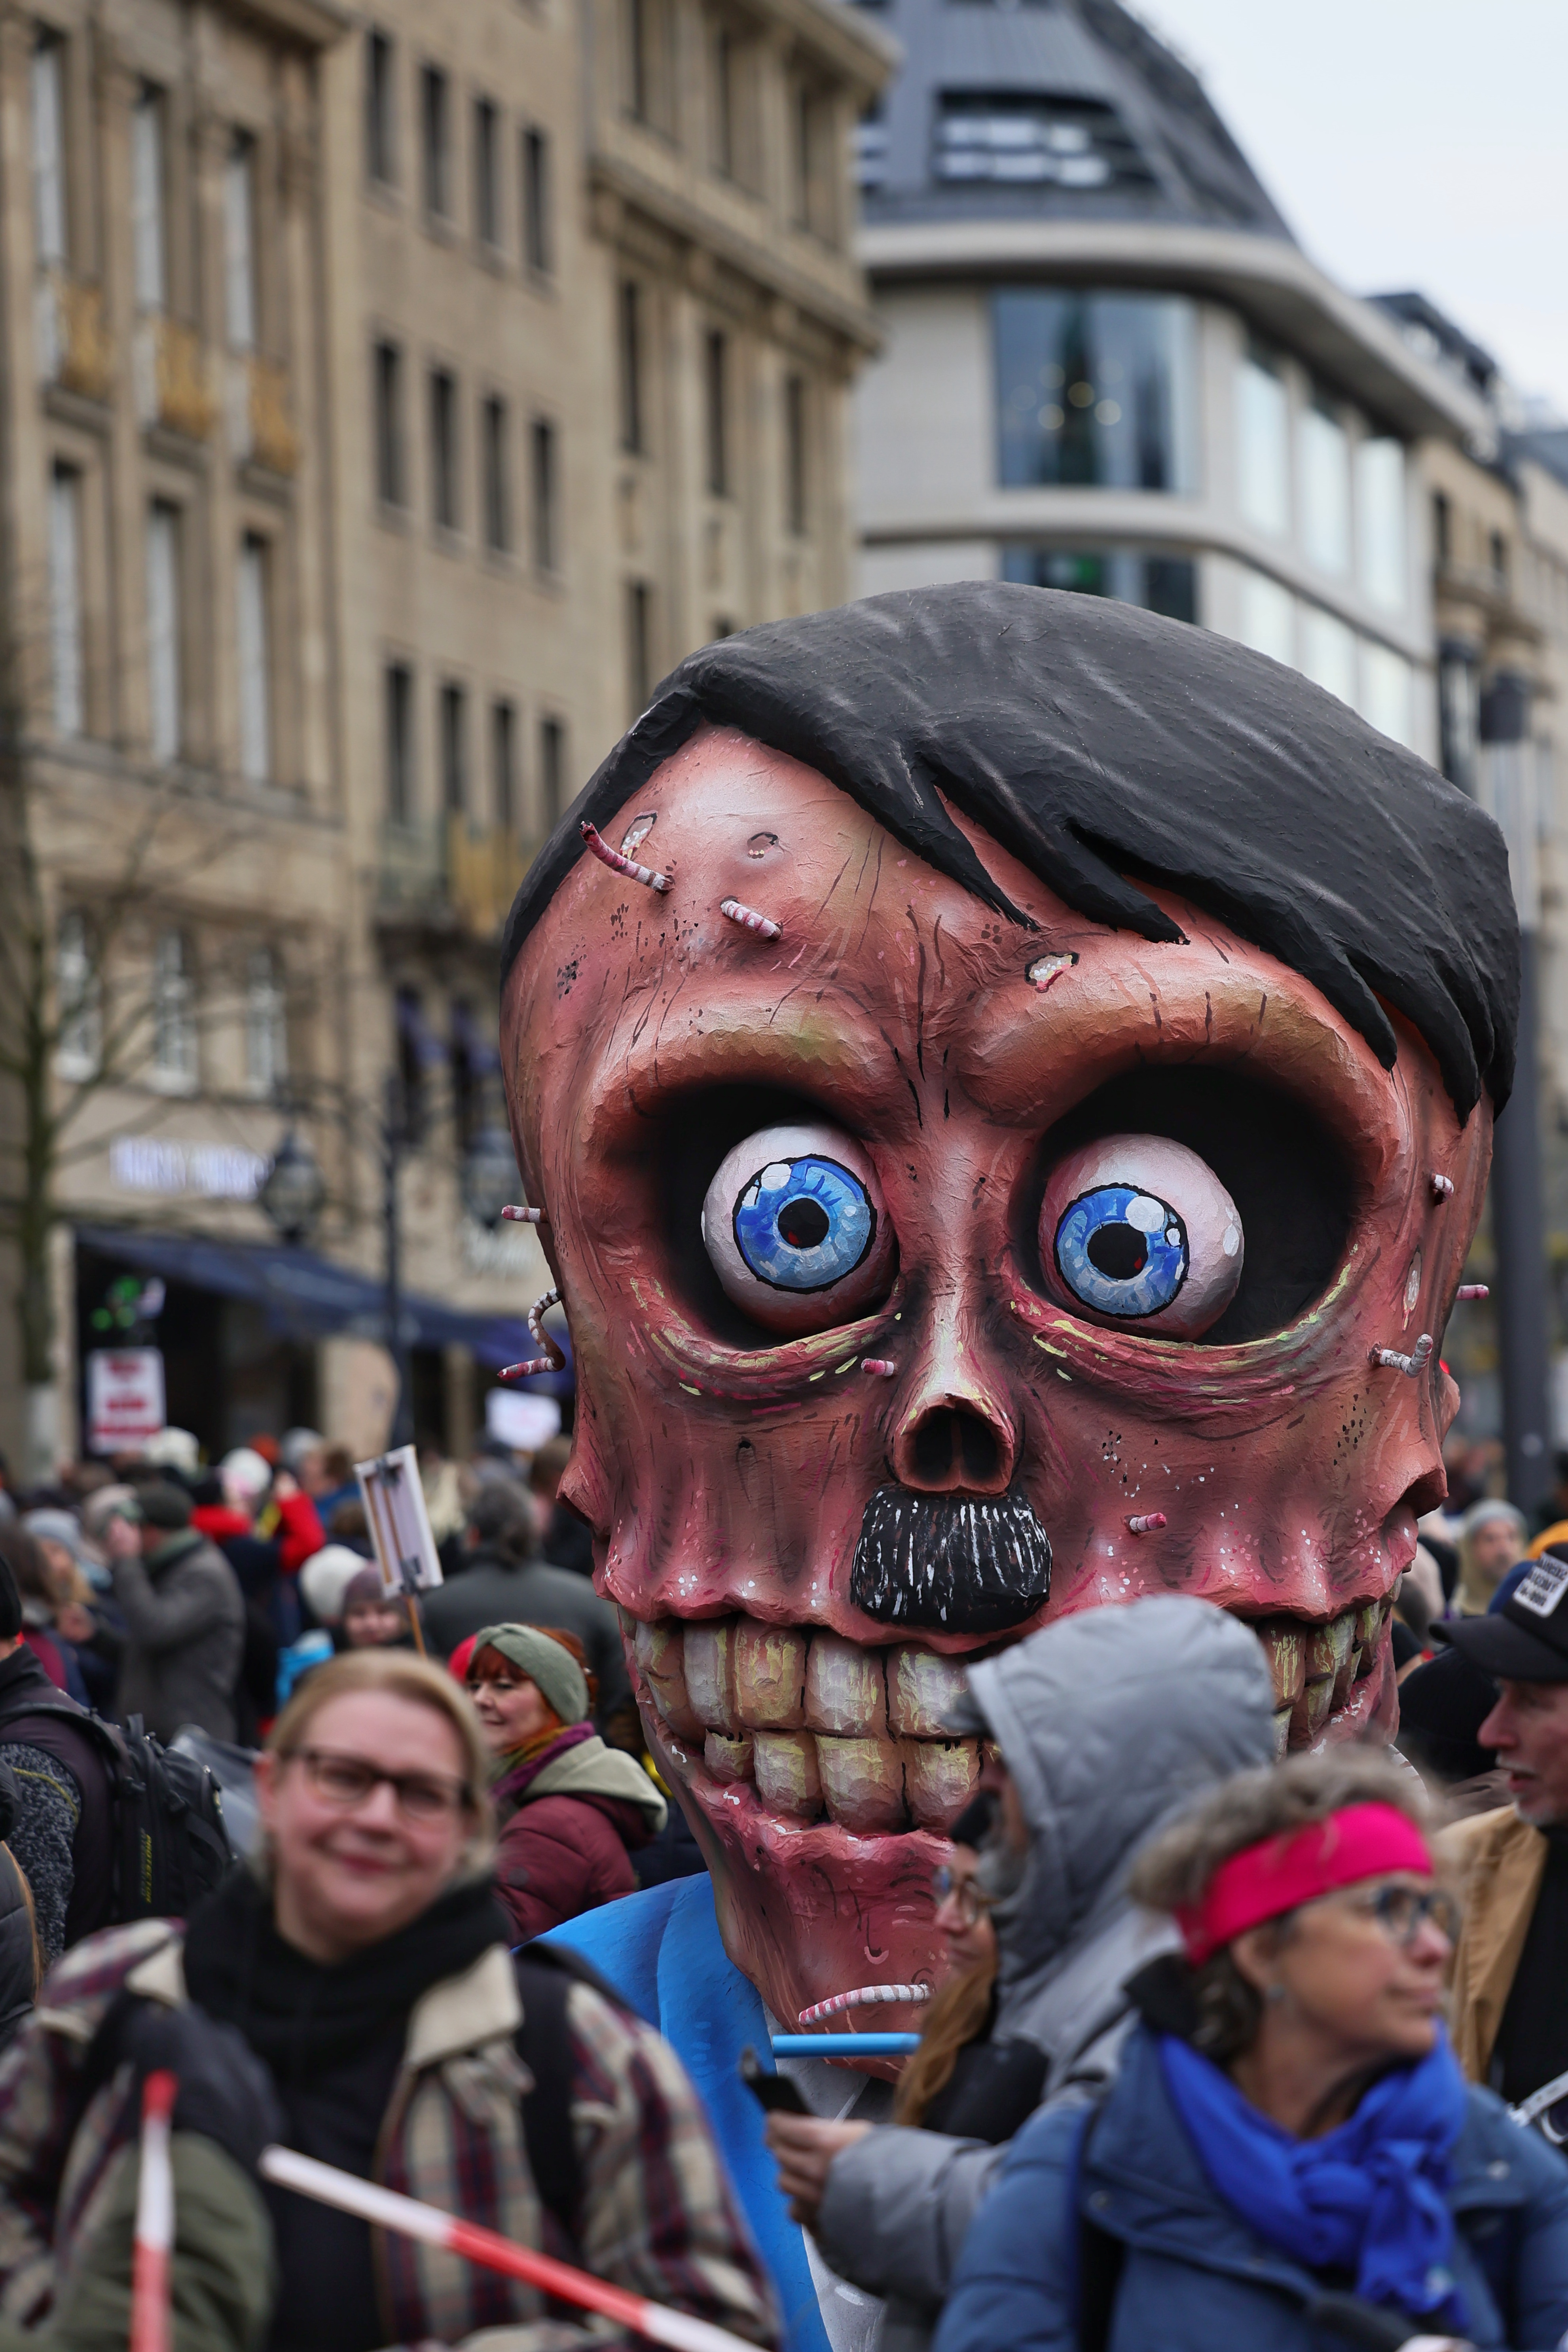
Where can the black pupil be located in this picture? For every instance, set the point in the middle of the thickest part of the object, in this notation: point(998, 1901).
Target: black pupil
point(803, 1224)
point(1117, 1252)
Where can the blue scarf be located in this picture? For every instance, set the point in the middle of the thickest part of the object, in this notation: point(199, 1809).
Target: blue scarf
point(1369, 2198)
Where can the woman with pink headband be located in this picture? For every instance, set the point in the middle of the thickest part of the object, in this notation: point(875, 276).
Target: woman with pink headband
point(1289, 2158)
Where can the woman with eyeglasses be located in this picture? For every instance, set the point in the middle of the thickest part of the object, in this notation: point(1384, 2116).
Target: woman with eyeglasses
point(355, 1996)
point(1288, 2157)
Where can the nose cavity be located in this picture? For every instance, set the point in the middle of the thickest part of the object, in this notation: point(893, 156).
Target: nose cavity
point(955, 1447)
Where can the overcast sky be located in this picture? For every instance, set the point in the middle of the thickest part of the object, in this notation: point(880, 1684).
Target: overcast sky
point(1409, 143)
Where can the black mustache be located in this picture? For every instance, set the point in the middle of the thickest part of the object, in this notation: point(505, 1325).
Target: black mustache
point(950, 1562)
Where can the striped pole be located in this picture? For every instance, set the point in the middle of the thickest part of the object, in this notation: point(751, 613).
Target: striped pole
point(153, 2245)
point(386, 2209)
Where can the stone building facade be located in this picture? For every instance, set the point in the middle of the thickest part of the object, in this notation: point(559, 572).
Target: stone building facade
point(390, 399)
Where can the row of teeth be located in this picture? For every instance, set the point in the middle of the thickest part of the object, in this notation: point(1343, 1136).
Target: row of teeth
point(821, 1726)
point(819, 1723)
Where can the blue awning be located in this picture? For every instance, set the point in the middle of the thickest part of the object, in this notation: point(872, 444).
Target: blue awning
point(307, 1298)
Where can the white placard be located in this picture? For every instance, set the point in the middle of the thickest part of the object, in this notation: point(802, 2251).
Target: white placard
point(522, 1421)
point(398, 1521)
point(125, 1403)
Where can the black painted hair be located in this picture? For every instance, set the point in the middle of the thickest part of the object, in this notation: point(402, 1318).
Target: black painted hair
point(1100, 744)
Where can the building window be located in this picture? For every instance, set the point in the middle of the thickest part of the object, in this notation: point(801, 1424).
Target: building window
point(1263, 445)
point(240, 243)
point(1328, 652)
point(722, 85)
point(496, 485)
point(68, 699)
point(435, 114)
point(503, 765)
point(266, 1024)
point(551, 771)
point(871, 148)
point(538, 223)
point(1497, 549)
point(79, 1000)
point(1458, 714)
point(50, 218)
point(630, 338)
point(173, 1018)
point(486, 173)
point(454, 751)
point(1035, 139)
point(1380, 525)
point(391, 485)
point(546, 531)
point(797, 483)
point(149, 238)
point(399, 694)
point(1385, 690)
point(635, 28)
point(444, 499)
point(255, 664)
point(1096, 389)
point(639, 646)
point(380, 110)
point(164, 631)
point(716, 391)
point(1325, 493)
point(1160, 583)
point(413, 1050)
point(1267, 617)
point(1442, 528)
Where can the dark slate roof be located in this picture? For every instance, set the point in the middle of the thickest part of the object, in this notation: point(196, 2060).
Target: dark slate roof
point(1048, 108)
point(1437, 337)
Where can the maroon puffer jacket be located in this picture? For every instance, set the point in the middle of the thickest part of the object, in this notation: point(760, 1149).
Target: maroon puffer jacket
point(563, 1852)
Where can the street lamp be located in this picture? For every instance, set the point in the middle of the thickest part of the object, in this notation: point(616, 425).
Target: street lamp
point(293, 1192)
point(489, 1177)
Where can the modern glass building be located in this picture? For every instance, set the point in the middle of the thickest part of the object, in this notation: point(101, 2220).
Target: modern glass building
point(1109, 367)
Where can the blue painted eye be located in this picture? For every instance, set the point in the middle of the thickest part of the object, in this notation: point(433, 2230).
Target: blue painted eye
point(1121, 1251)
point(803, 1224)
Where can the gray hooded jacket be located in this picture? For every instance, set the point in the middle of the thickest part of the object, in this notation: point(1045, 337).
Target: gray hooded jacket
point(1109, 1722)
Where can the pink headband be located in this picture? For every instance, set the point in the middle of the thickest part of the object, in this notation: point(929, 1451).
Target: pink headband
point(1264, 1881)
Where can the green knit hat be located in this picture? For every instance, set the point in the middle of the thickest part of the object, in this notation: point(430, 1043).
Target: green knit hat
point(544, 1660)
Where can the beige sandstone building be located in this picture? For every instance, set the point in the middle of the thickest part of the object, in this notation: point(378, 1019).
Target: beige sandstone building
point(391, 397)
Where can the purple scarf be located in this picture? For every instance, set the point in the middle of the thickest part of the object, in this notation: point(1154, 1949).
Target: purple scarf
point(512, 1785)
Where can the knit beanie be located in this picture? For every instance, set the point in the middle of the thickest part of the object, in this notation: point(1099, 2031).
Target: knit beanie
point(164, 1505)
point(538, 1654)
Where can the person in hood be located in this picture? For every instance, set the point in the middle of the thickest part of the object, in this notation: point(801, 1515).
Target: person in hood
point(185, 1619)
point(1289, 2156)
point(571, 1811)
point(1108, 1723)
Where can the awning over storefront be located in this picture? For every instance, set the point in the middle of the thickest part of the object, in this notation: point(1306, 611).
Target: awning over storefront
point(307, 1297)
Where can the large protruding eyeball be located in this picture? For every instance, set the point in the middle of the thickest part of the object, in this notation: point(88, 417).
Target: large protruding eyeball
point(1137, 1229)
point(795, 1225)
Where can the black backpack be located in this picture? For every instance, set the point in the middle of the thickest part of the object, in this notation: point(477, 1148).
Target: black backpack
point(170, 1844)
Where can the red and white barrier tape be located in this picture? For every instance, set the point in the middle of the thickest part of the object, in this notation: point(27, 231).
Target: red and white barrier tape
point(153, 2245)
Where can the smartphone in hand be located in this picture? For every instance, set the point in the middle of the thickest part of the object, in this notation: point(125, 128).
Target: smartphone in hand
point(774, 2091)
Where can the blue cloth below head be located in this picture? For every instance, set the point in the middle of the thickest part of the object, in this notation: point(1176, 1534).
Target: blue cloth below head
point(662, 1952)
point(1369, 2198)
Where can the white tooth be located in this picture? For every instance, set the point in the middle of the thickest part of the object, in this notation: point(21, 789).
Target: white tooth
point(787, 1777)
point(1282, 1728)
point(659, 1652)
point(922, 1690)
point(863, 1782)
point(770, 1675)
point(727, 1760)
point(709, 1672)
point(845, 1691)
point(1285, 1647)
point(940, 1776)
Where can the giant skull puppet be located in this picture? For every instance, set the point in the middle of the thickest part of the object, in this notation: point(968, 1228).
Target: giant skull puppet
point(1062, 1204)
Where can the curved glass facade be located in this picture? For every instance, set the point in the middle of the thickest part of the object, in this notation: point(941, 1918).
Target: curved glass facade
point(1161, 583)
point(1094, 390)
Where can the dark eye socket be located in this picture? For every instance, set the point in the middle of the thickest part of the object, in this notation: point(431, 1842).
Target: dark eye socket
point(1289, 1176)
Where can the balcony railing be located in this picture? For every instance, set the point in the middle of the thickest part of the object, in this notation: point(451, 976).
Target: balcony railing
point(174, 379)
point(449, 875)
point(76, 350)
point(260, 427)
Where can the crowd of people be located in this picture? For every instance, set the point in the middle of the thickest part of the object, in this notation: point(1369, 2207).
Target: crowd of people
point(1220, 2049)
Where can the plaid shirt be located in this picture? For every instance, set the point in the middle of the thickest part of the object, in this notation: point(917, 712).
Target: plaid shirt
point(658, 2214)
